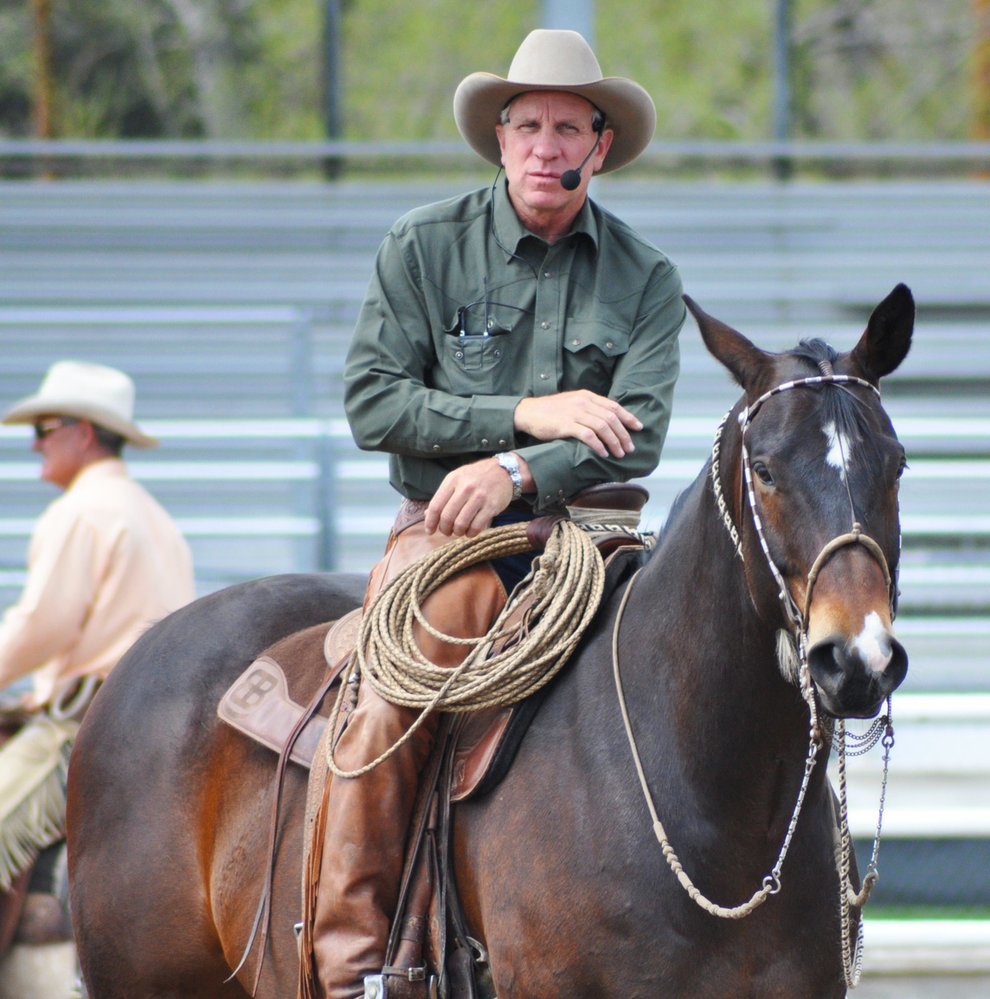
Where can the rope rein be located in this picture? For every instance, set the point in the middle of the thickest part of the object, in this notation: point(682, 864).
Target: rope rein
point(568, 581)
point(771, 884)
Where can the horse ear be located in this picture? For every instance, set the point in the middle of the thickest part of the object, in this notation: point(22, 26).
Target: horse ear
point(887, 339)
point(743, 359)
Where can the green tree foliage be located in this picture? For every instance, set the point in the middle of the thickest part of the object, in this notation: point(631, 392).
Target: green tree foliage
point(862, 69)
point(164, 68)
point(402, 62)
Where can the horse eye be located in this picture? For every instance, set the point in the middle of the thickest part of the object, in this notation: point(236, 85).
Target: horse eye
point(900, 468)
point(763, 473)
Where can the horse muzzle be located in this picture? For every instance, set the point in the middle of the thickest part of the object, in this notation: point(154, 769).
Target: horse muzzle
point(854, 678)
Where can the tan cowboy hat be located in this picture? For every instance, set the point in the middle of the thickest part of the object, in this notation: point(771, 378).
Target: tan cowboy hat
point(94, 392)
point(556, 60)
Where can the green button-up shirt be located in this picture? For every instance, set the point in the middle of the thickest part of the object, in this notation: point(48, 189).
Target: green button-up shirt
point(468, 313)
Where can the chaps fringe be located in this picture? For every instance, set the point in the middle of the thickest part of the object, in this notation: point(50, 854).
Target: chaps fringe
point(32, 794)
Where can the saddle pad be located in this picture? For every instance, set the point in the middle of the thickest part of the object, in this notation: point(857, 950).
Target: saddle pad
point(258, 705)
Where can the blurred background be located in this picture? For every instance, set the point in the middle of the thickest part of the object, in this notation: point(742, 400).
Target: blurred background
point(194, 190)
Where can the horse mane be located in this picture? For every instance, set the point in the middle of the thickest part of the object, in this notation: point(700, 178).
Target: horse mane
point(675, 508)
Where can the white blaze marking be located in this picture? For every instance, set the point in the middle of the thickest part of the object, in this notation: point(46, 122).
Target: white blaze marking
point(839, 449)
point(873, 643)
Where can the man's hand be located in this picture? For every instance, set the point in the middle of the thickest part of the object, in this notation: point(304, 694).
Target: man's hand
point(598, 421)
point(469, 497)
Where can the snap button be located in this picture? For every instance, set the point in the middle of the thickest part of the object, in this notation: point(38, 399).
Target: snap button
point(544, 325)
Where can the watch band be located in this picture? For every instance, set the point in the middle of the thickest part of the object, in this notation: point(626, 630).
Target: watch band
point(510, 463)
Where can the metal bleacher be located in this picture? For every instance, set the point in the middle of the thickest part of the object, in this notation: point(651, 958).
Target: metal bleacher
point(231, 305)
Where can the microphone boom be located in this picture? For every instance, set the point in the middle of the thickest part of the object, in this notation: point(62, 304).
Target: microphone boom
point(570, 179)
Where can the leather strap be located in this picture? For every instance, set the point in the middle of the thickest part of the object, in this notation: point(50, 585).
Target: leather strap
point(416, 887)
point(262, 920)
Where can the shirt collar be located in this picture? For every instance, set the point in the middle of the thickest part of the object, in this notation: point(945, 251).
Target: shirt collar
point(511, 232)
point(102, 468)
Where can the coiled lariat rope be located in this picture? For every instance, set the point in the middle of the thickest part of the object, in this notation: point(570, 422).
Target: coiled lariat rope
point(568, 581)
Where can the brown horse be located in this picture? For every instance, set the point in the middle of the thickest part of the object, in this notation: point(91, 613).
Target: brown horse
point(759, 579)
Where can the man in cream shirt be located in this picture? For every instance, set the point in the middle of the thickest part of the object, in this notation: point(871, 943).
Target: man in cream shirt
point(105, 562)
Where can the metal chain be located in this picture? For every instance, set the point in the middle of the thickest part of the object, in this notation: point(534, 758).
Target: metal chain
point(849, 898)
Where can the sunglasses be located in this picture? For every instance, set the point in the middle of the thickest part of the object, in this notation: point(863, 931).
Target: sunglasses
point(45, 427)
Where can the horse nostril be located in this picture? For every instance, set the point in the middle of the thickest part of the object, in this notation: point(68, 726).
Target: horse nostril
point(827, 661)
point(897, 667)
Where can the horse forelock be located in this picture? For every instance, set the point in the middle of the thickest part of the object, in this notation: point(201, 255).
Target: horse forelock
point(840, 410)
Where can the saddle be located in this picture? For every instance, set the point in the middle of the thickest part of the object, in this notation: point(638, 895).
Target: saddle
point(473, 753)
point(258, 704)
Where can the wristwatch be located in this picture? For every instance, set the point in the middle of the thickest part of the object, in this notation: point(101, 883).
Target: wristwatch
point(511, 464)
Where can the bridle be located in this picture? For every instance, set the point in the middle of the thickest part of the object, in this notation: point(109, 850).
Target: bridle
point(798, 618)
point(882, 729)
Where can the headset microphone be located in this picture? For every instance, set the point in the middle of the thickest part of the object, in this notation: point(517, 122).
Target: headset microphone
point(570, 179)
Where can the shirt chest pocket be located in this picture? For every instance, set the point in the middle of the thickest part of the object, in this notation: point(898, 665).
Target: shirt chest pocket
point(591, 352)
point(471, 365)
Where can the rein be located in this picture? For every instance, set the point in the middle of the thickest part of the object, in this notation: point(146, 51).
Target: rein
point(771, 884)
point(882, 728)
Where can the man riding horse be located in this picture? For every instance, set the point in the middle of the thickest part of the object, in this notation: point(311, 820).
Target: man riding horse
point(105, 562)
point(518, 344)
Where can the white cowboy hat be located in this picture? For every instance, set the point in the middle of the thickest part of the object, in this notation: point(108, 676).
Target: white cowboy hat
point(94, 392)
point(556, 60)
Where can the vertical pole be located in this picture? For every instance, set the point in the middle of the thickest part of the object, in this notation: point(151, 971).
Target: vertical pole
point(980, 70)
point(331, 82)
point(41, 112)
point(578, 15)
point(783, 167)
point(327, 500)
